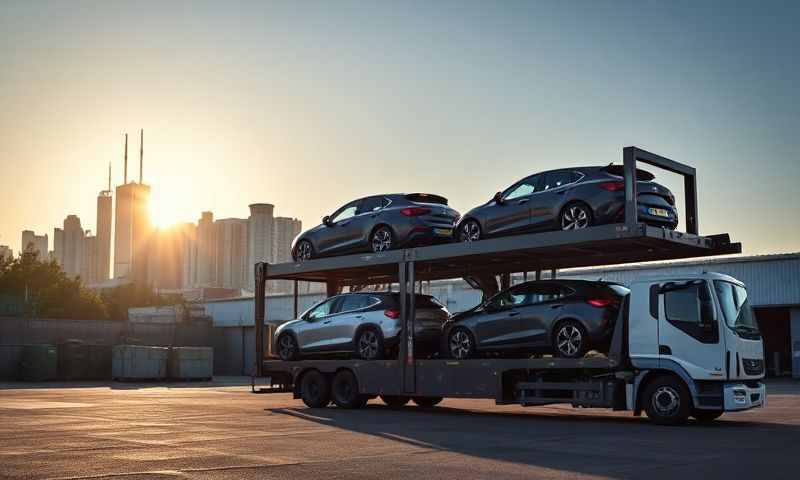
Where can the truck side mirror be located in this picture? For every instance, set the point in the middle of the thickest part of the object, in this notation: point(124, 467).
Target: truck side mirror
point(498, 198)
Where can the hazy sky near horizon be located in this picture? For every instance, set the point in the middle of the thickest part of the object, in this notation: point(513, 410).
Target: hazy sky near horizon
point(307, 105)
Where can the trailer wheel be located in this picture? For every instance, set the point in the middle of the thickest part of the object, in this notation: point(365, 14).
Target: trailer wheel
point(315, 390)
point(706, 416)
point(345, 390)
point(395, 401)
point(427, 402)
point(667, 401)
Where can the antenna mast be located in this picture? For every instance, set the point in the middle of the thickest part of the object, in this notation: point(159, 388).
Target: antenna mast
point(125, 176)
point(141, 153)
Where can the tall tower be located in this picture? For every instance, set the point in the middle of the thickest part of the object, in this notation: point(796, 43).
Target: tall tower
point(259, 238)
point(73, 246)
point(33, 243)
point(231, 252)
point(206, 251)
point(132, 229)
point(282, 236)
point(103, 240)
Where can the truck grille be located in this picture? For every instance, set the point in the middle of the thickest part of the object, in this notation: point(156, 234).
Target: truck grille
point(753, 366)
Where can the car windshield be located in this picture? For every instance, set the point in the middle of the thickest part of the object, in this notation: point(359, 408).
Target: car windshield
point(735, 306)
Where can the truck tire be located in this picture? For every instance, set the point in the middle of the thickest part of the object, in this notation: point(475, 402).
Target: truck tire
point(427, 402)
point(667, 401)
point(315, 390)
point(344, 389)
point(395, 401)
point(706, 416)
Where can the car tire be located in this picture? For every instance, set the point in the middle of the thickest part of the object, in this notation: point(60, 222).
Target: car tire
point(395, 401)
point(460, 343)
point(667, 401)
point(368, 344)
point(315, 390)
point(304, 251)
point(470, 231)
point(427, 402)
point(344, 391)
point(706, 416)
point(575, 216)
point(570, 340)
point(381, 239)
point(288, 349)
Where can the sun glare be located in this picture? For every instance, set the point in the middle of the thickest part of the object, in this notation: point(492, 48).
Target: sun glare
point(165, 209)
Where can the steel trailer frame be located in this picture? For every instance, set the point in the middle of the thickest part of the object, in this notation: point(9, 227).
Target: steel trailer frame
point(627, 242)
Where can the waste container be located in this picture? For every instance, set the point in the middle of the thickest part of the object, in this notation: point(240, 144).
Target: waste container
point(39, 363)
point(80, 361)
point(136, 362)
point(191, 363)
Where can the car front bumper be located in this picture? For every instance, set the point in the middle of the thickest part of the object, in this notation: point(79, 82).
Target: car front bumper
point(741, 396)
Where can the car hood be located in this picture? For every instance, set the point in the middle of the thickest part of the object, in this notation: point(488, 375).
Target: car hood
point(286, 325)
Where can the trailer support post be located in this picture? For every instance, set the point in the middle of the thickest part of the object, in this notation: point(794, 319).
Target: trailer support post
point(295, 298)
point(260, 306)
point(409, 380)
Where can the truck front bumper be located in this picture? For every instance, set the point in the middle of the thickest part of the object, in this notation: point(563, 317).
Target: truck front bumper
point(741, 396)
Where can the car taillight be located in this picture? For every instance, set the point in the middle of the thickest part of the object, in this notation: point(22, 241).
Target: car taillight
point(601, 302)
point(415, 211)
point(612, 186)
point(392, 313)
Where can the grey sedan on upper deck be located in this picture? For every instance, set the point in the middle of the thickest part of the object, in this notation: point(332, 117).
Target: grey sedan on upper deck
point(379, 223)
point(567, 199)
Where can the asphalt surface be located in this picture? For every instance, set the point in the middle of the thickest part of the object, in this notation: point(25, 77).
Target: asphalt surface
point(221, 431)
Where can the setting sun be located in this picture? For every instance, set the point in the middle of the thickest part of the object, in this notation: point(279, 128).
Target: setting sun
point(168, 207)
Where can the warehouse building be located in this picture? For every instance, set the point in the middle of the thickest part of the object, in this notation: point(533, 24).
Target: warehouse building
point(773, 283)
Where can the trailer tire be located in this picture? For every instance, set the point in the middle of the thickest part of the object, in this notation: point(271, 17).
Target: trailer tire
point(344, 389)
point(315, 390)
point(667, 401)
point(427, 402)
point(706, 416)
point(395, 401)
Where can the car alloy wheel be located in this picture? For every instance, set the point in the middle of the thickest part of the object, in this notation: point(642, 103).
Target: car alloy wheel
point(470, 232)
point(287, 348)
point(368, 345)
point(460, 344)
point(303, 252)
point(569, 340)
point(381, 240)
point(575, 217)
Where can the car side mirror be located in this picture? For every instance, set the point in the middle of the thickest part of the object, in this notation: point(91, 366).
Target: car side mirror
point(498, 198)
point(326, 220)
point(490, 307)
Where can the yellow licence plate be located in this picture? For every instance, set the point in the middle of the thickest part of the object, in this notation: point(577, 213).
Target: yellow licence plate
point(443, 231)
point(659, 212)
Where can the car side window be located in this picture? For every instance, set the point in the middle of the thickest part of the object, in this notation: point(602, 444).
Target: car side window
point(371, 204)
point(510, 298)
point(557, 179)
point(322, 310)
point(544, 293)
point(353, 302)
point(348, 211)
point(523, 188)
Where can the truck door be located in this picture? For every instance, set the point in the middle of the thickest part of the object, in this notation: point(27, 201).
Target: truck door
point(688, 329)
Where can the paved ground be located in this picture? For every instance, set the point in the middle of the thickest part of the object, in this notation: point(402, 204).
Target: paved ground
point(223, 431)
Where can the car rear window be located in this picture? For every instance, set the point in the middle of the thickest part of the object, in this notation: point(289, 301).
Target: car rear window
point(426, 198)
point(619, 170)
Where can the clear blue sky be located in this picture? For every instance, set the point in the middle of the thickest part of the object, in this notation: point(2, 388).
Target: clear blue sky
point(309, 104)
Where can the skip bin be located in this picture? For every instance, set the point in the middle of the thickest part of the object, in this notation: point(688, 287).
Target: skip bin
point(191, 363)
point(79, 361)
point(135, 362)
point(10, 357)
point(39, 363)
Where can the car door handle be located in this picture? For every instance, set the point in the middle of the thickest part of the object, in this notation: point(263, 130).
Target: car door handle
point(558, 305)
point(360, 317)
point(513, 314)
point(523, 201)
point(326, 322)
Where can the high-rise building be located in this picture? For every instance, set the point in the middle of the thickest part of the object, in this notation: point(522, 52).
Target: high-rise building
point(231, 252)
point(283, 233)
point(259, 231)
point(189, 252)
point(37, 244)
point(104, 216)
point(89, 259)
point(166, 258)
point(58, 246)
point(6, 253)
point(206, 251)
point(132, 232)
point(73, 246)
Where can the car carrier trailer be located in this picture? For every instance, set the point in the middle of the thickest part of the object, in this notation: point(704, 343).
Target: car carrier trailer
point(618, 380)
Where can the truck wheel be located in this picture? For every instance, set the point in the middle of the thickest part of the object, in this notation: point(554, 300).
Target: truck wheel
point(706, 416)
point(369, 344)
point(460, 344)
point(667, 401)
point(427, 402)
point(345, 390)
point(315, 390)
point(395, 401)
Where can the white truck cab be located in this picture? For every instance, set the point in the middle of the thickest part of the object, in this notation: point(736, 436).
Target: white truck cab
point(699, 329)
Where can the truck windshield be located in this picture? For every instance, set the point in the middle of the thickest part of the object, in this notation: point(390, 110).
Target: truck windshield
point(736, 307)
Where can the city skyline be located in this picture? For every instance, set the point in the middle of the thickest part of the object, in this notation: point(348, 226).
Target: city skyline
point(356, 100)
